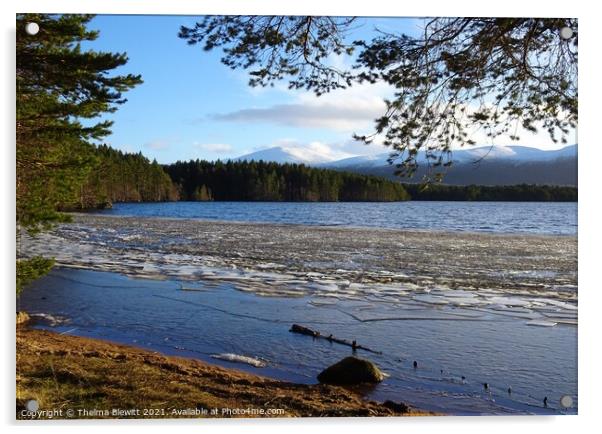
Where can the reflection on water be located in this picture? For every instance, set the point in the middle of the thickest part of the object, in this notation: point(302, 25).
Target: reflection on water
point(449, 341)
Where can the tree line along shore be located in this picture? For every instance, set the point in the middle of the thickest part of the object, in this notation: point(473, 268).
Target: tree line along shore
point(131, 177)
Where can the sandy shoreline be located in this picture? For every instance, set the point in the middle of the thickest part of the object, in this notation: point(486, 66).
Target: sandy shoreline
point(86, 378)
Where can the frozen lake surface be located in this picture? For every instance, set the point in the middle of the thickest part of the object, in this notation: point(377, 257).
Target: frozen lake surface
point(208, 320)
point(495, 308)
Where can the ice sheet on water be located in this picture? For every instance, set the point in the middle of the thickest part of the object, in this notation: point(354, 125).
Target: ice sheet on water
point(505, 308)
point(453, 293)
point(319, 287)
point(51, 320)
point(269, 265)
point(132, 237)
point(238, 358)
point(540, 323)
point(467, 301)
point(560, 304)
point(253, 262)
point(511, 301)
point(430, 299)
point(558, 314)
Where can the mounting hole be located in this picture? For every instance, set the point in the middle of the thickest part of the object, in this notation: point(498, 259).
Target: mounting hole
point(32, 28)
point(566, 33)
point(32, 405)
point(566, 401)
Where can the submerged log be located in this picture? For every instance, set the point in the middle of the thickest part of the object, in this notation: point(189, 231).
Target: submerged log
point(296, 328)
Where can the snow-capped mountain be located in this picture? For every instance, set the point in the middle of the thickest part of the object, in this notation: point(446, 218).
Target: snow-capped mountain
point(517, 154)
point(468, 155)
point(361, 160)
point(314, 154)
point(276, 155)
point(487, 165)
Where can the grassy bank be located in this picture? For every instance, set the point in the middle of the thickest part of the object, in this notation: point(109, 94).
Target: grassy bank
point(77, 377)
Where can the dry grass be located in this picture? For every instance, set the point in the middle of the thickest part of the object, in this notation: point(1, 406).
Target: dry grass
point(73, 373)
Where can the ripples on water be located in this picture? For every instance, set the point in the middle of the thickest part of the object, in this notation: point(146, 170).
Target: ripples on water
point(503, 217)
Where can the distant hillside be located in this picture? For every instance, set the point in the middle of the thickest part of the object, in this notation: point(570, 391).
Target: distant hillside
point(555, 172)
point(487, 165)
point(495, 165)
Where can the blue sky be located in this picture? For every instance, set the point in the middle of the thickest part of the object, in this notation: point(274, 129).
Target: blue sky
point(192, 106)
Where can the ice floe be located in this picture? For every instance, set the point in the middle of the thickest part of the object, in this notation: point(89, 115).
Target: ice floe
point(237, 358)
point(539, 323)
point(272, 261)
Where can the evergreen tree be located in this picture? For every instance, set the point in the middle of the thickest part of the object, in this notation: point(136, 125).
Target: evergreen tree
point(509, 193)
point(202, 194)
point(123, 177)
point(59, 86)
point(268, 181)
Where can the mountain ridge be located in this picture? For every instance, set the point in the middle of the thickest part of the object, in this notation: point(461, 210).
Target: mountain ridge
point(484, 165)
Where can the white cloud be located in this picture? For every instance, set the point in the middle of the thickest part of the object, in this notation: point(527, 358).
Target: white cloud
point(347, 110)
point(323, 115)
point(217, 148)
point(354, 110)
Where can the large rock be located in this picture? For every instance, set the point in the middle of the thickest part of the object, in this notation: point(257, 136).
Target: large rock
point(351, 370)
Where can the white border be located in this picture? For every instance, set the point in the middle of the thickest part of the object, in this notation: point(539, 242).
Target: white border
point(590, 158)
point(317, 7)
